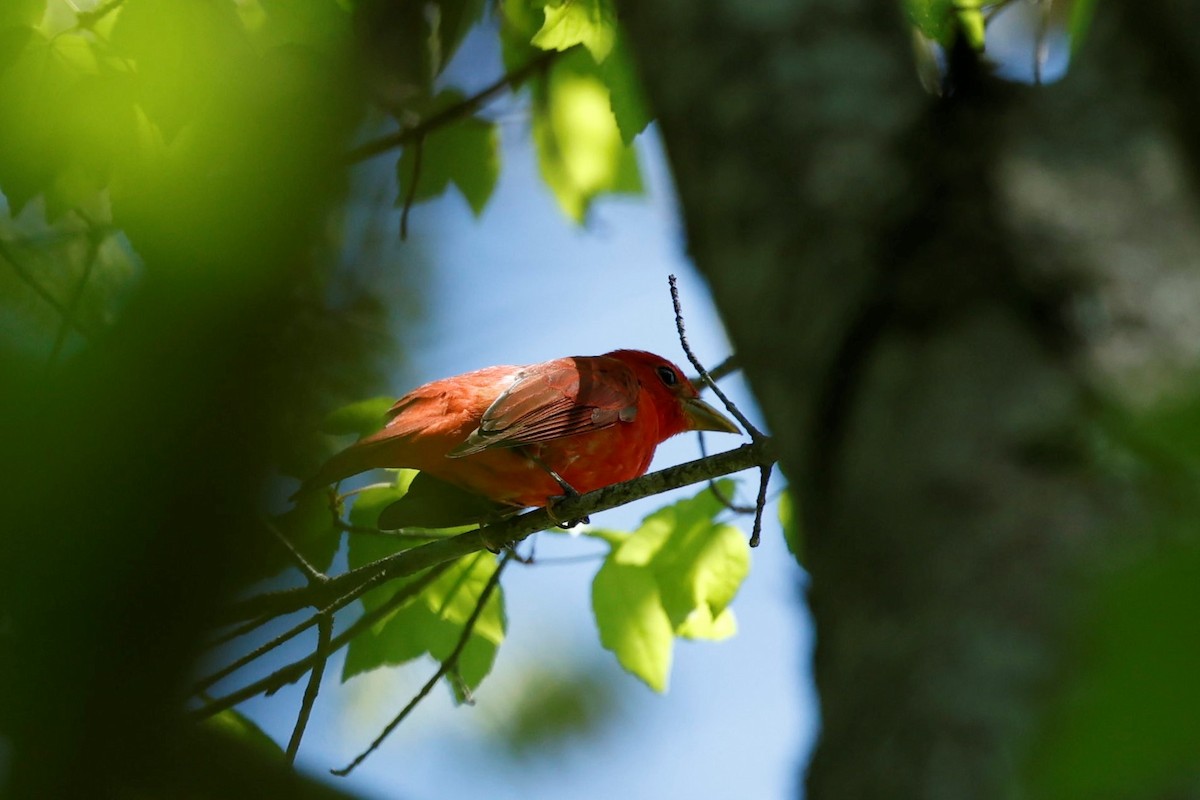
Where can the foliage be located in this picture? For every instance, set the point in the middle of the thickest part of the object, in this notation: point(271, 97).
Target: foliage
point(673, 577)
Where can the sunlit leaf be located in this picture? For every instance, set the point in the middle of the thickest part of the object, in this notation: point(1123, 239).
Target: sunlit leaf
point(700, 624)
point(675, 575)
point(632, 621)
point(592, 23)
point(581, 153)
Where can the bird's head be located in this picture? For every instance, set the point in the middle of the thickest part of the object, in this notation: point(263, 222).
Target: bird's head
point(677, 402)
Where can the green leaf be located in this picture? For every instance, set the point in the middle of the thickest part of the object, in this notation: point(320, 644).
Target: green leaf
point(433, 622)
point(581, 153)
point(629, 105)
point(790, 521)
point(465, 154)
point(361, 418)
point(433, 503)
point(700, 624)
point(592, 23)
point(519, 21)
point(632, 622)
point(675, 575)
point(1128, 721)
point(234, 725)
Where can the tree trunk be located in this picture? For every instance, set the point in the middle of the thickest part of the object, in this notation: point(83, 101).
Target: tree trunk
point(926, 295)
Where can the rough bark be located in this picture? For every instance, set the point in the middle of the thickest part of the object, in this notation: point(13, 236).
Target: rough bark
point(911, 285)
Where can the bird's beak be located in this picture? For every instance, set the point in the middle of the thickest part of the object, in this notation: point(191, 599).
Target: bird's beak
point(703, 417)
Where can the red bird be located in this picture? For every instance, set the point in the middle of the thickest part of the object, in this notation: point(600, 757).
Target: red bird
point(521, 436)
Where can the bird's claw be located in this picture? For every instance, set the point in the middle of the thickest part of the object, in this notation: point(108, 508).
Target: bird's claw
point(571, 494)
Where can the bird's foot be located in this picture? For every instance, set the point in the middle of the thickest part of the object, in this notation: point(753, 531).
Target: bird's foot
point(556, 500)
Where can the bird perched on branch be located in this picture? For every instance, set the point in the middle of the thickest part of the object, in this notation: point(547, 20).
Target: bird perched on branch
point(523, 436)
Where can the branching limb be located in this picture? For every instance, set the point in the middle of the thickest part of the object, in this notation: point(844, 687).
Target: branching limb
point(292, 672)
point(515, 529)
point(324, 634)
point(455, 112)
point(450, 664)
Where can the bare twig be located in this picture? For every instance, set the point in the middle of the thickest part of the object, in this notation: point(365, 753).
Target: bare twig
point(453, 113)
point(311, 573)
point(754, 432)
point(324, 633)
point(512, 530)
point(764, 478)
point(446, 666)
point(292, 672)
point(715, 487)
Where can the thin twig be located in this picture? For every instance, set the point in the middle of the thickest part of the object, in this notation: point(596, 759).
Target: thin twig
point(324, 633)
point(464, 108)
point(512, 530)
point(754, 432)
point(727, 367)
point(764, 477)
point(311, 573)
point(338, 604)
point(715, 487)
point(446, 666)
point(411, 194)
point(292, 672)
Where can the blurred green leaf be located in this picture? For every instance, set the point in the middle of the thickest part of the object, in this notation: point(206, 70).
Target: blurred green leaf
point(632, 621)
point(942, 20)
point(592, 23)
point(1082, 12)
point(1128, 720)
point(240, 727)
point(629, 105)
point(581, 153)
point(21, 12)
point(790, 521)
point(361, 418)
point(321, 24)
point(465, 154)
point(519, 21)
point(553, 709)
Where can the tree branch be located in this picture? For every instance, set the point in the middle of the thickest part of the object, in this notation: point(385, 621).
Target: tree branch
point(409, 562)
point(292, 672)
point(453, 113)
point(446, 666)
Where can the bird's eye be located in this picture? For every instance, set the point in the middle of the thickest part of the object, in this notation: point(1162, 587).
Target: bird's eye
point(667, 376)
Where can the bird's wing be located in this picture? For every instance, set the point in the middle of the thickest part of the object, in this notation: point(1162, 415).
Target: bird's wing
point(554, 399)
